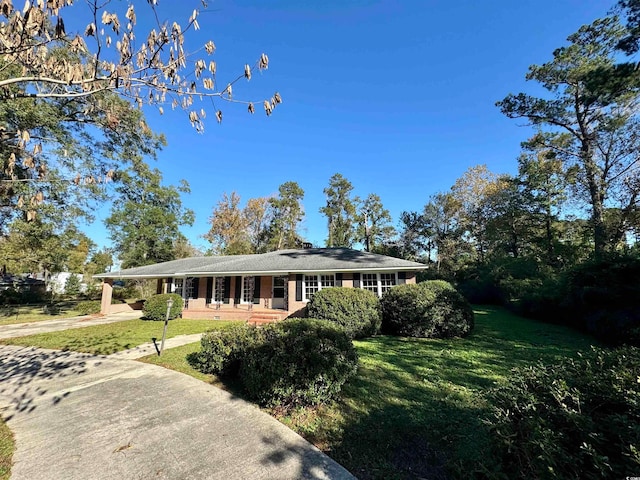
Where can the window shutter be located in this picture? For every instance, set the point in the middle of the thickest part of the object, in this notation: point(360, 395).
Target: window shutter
point(299, 287)
point(338, 279)
point(236, 294)
point(169, 284)
point(195, 287)
point(209, 290)
point(402, 278)
point(356, 280)
point(256, 290)
point(227, 289)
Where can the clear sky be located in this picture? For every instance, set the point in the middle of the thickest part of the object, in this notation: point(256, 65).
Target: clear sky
point(397, 96)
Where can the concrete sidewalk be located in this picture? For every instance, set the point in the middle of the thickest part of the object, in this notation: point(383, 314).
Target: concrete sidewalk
point(78, 416)
point(22, 329)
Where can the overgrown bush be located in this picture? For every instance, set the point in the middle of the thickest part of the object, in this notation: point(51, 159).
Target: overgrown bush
point(299, 362)
point(155, 308)
point(89, 307)
point(295, 362)
point(356, 310)
point(223, 350)
point(431, 309)
point(576, 419)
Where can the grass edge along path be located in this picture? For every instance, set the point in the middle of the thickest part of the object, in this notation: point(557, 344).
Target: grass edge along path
point(415, 408)
point(7, 447)
point(114, 337)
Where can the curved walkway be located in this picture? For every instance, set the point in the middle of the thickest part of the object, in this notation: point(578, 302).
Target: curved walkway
point(80, 416)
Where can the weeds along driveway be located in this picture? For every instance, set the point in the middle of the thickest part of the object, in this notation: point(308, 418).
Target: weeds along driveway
point(80, 416)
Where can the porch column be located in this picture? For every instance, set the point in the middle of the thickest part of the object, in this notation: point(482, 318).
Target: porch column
point(107, 291)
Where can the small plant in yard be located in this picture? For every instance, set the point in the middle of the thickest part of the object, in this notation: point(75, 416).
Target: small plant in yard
point(579, 418)
point(357, 311)
point(431, 309)
point(155, 308)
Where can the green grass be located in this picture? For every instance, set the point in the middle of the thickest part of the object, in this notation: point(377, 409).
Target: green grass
point(415, 408)
point(13, 314)
point(113, 337)
point(7, 447)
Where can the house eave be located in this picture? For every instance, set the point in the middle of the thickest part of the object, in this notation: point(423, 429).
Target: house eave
point(262, 273)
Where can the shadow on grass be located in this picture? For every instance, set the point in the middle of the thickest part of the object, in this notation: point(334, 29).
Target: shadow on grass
point(416, 408)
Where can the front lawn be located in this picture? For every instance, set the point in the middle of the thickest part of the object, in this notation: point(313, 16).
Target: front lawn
point(415, 408)
point(12, 314)
point(114, 337)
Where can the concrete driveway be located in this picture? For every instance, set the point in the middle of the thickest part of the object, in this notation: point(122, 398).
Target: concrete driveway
point(79, 416)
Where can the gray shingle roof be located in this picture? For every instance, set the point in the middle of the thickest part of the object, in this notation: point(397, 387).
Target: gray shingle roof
point(279, 262)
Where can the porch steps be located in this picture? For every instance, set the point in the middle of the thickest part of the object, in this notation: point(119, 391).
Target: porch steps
point(259, 318)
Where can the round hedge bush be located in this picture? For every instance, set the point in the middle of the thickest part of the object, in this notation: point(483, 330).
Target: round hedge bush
point(579, 418)
point(299, 362)
point(155, 307)
point(356, 310)
point(431, 309)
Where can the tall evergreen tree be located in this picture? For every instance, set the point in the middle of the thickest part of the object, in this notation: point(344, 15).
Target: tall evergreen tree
point(340, 211)
point(590, 119)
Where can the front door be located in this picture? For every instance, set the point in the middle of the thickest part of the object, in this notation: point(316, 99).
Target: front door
point(279, 284)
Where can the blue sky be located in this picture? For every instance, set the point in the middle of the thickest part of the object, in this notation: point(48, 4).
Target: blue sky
point(397, 96)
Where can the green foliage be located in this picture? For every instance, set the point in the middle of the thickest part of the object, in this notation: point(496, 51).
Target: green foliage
point(88, 307)
point(340, 211)
point(356, 310)
point(579, 418)
point(146, 217)
point(431, 309)
point(72, 285)
point(10, 296)
point(223, 350)
point(301, 362)
point(155, 308)
point(295, 362)
point(605, 295)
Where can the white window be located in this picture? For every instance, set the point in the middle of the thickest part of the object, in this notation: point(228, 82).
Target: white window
point(370, 282)
point(387, 280)
point(378, 283)
point(314, 283)
point(327, 281)
point(310, 286)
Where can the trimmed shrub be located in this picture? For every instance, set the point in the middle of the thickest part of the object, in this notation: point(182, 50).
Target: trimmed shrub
point(431, 309)
point(357, 311)
point(300, 362)
point(155, 308)
point(576, 419)
point(223, 350)
point(89, 307)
